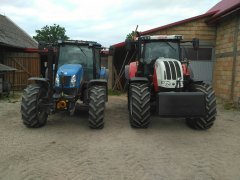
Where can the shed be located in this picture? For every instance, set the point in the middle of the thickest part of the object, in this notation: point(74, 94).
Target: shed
point(14, 52)
point(5, 85)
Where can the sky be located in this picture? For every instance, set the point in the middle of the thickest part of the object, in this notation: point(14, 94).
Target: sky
point(105, 21)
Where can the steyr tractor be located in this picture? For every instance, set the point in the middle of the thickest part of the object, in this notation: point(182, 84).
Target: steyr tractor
point(160, 78)
point(75, 74)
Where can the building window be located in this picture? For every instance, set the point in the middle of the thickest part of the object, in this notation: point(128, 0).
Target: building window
point(202, 54)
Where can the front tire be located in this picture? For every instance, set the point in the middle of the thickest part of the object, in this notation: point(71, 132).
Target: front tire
point(96, 107)
point(139, 105)
point(210, 99)
point(32, 115)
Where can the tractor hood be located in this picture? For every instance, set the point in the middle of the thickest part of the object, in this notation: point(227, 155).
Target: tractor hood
point(69, 76)
point(69, 69)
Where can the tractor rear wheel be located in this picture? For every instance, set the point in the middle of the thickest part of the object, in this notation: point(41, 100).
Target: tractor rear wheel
point(210, 101)
point(96, 107)
point(32, 115)
point(139, 105)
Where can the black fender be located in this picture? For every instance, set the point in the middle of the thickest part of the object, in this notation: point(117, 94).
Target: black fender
point(42, 81)
point(138, 80)
point(98, 82)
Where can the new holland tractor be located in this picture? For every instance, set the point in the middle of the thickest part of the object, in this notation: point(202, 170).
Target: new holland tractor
point(160, 78)
point(74, 74)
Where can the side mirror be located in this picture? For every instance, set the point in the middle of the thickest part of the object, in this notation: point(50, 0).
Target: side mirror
point(195, 43)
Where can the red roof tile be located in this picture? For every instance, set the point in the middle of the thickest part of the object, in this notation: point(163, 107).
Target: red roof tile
point(224, 6)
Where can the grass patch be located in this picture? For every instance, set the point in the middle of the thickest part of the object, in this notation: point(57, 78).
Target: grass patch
point(11, 98)
point(114, 92)
point(229, 106)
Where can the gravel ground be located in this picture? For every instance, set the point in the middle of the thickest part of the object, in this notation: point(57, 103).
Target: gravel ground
point(67, 149)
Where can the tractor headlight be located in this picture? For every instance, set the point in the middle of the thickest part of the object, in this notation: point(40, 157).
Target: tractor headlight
point(73, 81)
point(57, 80)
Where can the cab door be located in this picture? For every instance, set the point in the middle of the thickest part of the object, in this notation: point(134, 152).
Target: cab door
point(97, 67)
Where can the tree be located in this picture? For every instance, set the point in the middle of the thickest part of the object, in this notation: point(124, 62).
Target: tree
point(131, 35)
point(51, 34)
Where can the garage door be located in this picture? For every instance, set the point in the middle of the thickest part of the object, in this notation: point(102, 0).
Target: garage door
point(201, 62)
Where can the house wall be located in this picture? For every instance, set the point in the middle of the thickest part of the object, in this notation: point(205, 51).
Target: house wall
point(194, 29)
point(227, 66)
point(27, 65)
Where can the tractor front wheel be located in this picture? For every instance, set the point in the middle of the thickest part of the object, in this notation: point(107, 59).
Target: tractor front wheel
point(32, 115)
point(139, 105)
point(96, 107)
point(210, 106)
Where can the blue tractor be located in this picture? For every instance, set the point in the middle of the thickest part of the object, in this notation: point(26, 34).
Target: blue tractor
point(72, 72)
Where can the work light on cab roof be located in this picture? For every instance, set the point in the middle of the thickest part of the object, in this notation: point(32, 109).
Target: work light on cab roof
point(156, 37)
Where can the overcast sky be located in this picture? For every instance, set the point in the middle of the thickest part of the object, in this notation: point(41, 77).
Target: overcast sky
point(105, 21)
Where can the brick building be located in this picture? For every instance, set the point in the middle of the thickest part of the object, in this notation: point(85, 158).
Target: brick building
point(218, 59)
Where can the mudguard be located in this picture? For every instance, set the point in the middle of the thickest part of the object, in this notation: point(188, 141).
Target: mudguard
point(132, 69)
point(42, 81)
point(138, 80)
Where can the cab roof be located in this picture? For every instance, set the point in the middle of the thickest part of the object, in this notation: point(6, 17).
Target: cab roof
point(80, 42)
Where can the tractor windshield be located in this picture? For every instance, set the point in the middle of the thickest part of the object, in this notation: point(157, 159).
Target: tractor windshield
point(75, 54)
point(154, 50)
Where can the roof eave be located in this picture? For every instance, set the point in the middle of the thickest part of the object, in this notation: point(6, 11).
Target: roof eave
point(178, 23)
point(208, 14)
point(225, 13)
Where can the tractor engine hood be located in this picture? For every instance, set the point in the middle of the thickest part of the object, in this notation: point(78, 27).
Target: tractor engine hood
point(70, 75)
point(69, 69)
point(168, 73)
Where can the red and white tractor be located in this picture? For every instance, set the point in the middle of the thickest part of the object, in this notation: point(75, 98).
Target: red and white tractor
point(160, 77)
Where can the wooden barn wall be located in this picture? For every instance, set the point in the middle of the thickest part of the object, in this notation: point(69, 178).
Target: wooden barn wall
point(27, 65)
point(104, 61)
point(118, 68)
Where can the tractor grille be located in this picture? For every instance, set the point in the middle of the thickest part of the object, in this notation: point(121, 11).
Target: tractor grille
point(173, 70)
point(65, 80)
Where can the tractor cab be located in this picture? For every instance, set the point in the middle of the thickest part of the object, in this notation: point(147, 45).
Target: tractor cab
point(84, 53)
point(153, 48)
point(78, 62)
point(166, 46)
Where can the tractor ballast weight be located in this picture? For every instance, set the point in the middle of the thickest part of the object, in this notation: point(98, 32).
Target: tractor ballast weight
point(160, 77)
point(71, 72)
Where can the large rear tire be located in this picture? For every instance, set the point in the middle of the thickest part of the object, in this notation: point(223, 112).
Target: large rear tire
point(32, 115)
point(139, 105)
point(96, 107)
point(210, 101)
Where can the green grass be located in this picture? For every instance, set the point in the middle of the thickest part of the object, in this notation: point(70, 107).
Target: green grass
point(229, 105)
point(11, 98)
point(114, 92)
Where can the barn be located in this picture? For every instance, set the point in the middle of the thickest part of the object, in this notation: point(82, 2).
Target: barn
point(17, 50)
point(218, 59)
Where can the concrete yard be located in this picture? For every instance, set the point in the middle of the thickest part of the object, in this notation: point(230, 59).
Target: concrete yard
point(67, 149)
